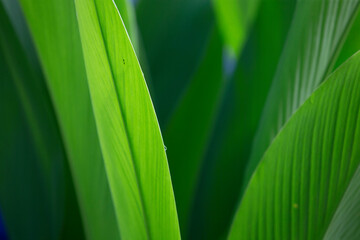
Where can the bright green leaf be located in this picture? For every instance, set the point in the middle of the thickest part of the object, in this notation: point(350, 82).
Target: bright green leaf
point(128, 15)
point(129, 133)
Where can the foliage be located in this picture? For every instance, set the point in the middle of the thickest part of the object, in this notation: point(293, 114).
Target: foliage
point(191, 119)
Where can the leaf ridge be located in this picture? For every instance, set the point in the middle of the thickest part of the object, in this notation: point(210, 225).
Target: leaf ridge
point(143, 207)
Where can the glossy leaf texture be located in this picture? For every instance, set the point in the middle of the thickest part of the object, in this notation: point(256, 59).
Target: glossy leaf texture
point(234, 18)
point(185, 137)
point(53, 26)
point(306, 182)
point(35, 186)
point(230, 142)
point(317, 32)
point(174, 34)
point(129, 133)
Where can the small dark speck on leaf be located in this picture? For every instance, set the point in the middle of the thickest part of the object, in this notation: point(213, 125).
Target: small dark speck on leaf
point(123, 61)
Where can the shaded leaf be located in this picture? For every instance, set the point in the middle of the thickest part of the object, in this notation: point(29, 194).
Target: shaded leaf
point(189, 129)
point(174, 35)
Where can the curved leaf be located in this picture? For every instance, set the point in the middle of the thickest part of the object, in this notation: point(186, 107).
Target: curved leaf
point(305, 174)
point(129, 133)
point(317, 32)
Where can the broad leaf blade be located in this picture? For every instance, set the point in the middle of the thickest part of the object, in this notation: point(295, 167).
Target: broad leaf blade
point(128, 130)
point(301, 180)
point(53, 26)
point(317, 32)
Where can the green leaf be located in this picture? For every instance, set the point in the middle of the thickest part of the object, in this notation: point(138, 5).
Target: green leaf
point(34, 182)
point(189, 129)
point(128, 15)
point(306, 183)
point(234, 18)
point(317, 32)
point(129, 133)
point(53, 26)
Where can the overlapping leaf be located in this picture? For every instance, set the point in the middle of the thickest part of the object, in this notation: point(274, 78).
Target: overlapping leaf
point(306, 187)
point(317, 32)
point(54, 28)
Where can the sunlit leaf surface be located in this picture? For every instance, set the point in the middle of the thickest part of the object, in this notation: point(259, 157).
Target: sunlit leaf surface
point(129, 133)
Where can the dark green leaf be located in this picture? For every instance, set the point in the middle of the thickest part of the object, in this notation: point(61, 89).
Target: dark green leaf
point(189, 129)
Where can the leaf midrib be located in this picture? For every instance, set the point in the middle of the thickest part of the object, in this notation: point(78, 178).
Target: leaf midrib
point(143, 208)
